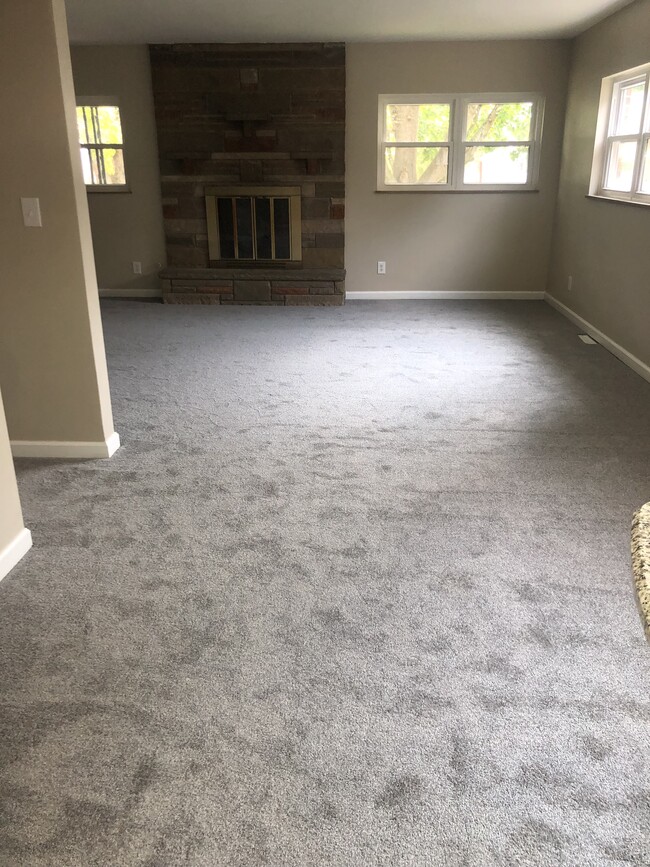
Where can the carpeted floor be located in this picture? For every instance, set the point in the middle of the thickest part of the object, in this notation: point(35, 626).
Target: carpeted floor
point(355, 591)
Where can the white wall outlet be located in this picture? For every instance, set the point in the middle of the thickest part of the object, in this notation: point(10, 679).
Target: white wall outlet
point(381, 267)
point(569, 284)
point(31, 212)
point(137, 267)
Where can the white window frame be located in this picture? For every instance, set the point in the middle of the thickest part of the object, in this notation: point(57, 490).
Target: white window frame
point(457, 143)
point(605, 137)
point(82, 101)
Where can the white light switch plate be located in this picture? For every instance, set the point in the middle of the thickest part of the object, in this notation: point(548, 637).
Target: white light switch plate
point(31, 212)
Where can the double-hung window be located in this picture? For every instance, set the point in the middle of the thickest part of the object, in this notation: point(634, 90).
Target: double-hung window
point(459, 142)
point(102, 145)
point(621, 166)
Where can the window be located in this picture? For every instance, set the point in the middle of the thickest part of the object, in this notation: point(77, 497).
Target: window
point(621, 166)
point(102, 146)
point(459, 142)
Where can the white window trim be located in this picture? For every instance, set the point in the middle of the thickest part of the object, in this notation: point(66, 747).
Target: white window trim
point(457, 142)
point(604, 137)
point(106, 100)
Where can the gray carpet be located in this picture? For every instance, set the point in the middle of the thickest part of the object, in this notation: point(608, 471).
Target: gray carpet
point(356, 590)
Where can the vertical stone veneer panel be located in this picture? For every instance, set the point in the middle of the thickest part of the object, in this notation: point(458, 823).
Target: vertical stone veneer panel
point(267, 113)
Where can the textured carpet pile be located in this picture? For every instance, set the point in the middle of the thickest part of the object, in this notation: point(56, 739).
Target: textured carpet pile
point(355, 591)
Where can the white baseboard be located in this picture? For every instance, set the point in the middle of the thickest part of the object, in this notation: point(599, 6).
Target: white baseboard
point(616, 349)
point(130, 293)
point(112, 444)
point(426, 295)
point(14, 552)
point(55, 449)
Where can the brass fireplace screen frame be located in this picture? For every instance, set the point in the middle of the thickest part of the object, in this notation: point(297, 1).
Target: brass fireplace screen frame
point(282, 194)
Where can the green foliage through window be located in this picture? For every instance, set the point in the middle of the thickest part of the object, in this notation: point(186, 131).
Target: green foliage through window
point(101, 143)
point(418, 122)
point(500, 121)
point(418, 142)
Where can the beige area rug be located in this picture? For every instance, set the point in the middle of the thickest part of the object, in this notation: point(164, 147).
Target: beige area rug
point(641, 562)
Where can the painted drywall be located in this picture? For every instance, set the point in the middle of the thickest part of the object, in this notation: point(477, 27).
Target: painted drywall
point(11, 518)
point(52, 362)
point(476, 242)
point(126, 227)
point(603, 245)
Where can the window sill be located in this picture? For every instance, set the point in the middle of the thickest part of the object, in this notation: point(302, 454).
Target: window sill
point(108, 189)
point(406, 189)
point(617, 201)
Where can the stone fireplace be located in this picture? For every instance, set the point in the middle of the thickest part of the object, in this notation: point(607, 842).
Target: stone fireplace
point(251, 141)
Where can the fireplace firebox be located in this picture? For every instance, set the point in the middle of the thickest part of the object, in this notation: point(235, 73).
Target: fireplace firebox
point(253, 224)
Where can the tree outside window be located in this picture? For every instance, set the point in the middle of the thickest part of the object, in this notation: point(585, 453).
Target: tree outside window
point(459, 143)
point(101, 145)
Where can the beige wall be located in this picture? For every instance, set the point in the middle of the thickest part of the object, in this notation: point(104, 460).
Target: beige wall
point(449, 241)
point(52, 362)
point(603, 245)
point(11, 519)
point(126, 227)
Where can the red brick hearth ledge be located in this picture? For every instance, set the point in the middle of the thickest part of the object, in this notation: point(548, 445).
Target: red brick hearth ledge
point(313, 287)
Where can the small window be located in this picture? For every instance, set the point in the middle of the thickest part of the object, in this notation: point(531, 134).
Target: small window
point(621, 167)
point(102, 146)
point(459, 142)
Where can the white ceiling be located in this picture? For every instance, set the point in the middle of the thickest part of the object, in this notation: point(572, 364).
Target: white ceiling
point(141, 21)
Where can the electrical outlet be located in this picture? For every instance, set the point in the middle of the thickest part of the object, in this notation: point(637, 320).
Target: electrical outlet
point(137, 267)
point(381, 267)
point(569, 284)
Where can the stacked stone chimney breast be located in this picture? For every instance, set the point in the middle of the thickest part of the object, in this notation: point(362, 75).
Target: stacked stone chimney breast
point(267, 114)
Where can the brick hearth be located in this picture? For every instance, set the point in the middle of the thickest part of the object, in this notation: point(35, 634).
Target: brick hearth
point(270, 286)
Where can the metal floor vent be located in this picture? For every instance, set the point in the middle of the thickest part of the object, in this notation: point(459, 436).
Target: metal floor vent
point(586, 339)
